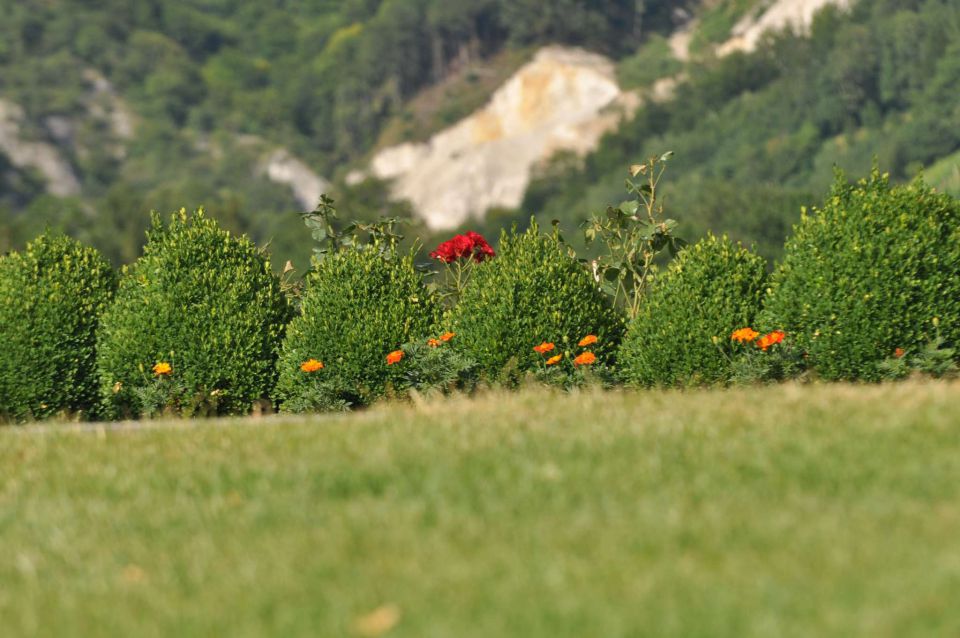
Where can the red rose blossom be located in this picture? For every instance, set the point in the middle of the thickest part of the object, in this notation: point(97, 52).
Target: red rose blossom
point(470, 246)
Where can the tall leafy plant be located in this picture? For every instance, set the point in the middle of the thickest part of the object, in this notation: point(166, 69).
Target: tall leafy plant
point(322, 223)
point(634, 234)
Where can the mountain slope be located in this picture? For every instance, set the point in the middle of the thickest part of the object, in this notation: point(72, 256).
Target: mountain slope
point(114, 108)
point(563, 101)
point(218, 90)
point(757, 135)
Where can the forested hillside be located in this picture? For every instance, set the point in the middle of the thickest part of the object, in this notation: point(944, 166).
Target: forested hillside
point(757, 135)
point(205, 86)
point(158, 104)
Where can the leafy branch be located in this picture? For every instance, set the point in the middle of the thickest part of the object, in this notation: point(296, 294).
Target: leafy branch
point(634, 233)
point(321, 221)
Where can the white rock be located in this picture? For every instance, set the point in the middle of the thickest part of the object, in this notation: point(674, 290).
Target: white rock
point(43, 157)
point(797, 14)
point(564, 100)
point(559, 101)
point(283, 168)
point(103, 101)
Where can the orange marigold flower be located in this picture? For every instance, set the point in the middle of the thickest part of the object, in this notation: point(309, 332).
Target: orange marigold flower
point(898, 353)
point(589, 340)
point(434, 343)
point(552, 361)
point(394, 357)
point(163, 369)
point(544, 347)
point(447, 336)
point(745, 335)
point(771, 339)
point(311, 365)
point(586, 359)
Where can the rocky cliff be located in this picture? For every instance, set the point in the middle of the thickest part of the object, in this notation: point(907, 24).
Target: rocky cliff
point(40, 156)
point(797, 14)
point(564, 100)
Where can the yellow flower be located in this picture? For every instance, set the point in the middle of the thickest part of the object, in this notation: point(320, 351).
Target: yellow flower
point(163, 369)
point(552, 361)
point(311, 365)
point(744, 335)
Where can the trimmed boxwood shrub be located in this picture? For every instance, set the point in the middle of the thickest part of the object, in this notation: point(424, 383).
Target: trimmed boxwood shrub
point(534, 291)
point(682, 333)
point(876, 269)
point(203, 301)
point(360, 304)
point(51, 298)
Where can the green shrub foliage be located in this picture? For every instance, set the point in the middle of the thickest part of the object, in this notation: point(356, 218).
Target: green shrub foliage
point(876, 269)
point(51, 297)
point(360, 304)
point(533, 291)
point(205, 302)
point(681, 335)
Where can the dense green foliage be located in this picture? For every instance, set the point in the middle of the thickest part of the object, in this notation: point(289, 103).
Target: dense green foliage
point(359, 305)
point(532, 292)
point(158, 104)
point(682, 333)
point(651, 62)
point(869, 288)
point(203, 301)
point(875, 269)
point(51, 298)
point(756, 135)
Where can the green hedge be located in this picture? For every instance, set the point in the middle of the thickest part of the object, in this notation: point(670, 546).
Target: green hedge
point(532, 292)
point(51, 298)
point(682, 333)
point(871, 271)
point(207, 303)
point(360, 304)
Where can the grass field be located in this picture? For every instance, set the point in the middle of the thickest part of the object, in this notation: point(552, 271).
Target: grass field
point(784, 511)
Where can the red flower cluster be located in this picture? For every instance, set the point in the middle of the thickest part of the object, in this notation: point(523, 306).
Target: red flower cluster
point(470, 246)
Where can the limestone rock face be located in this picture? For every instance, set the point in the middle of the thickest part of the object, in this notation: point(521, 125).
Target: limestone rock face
point(43, 157)
point(283, 168)
point(565, 99)
point(797, 14)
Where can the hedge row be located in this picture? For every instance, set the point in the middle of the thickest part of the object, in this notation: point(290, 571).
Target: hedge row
point(200, 325)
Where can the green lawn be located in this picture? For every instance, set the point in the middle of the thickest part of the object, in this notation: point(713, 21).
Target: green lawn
point(784, 511)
